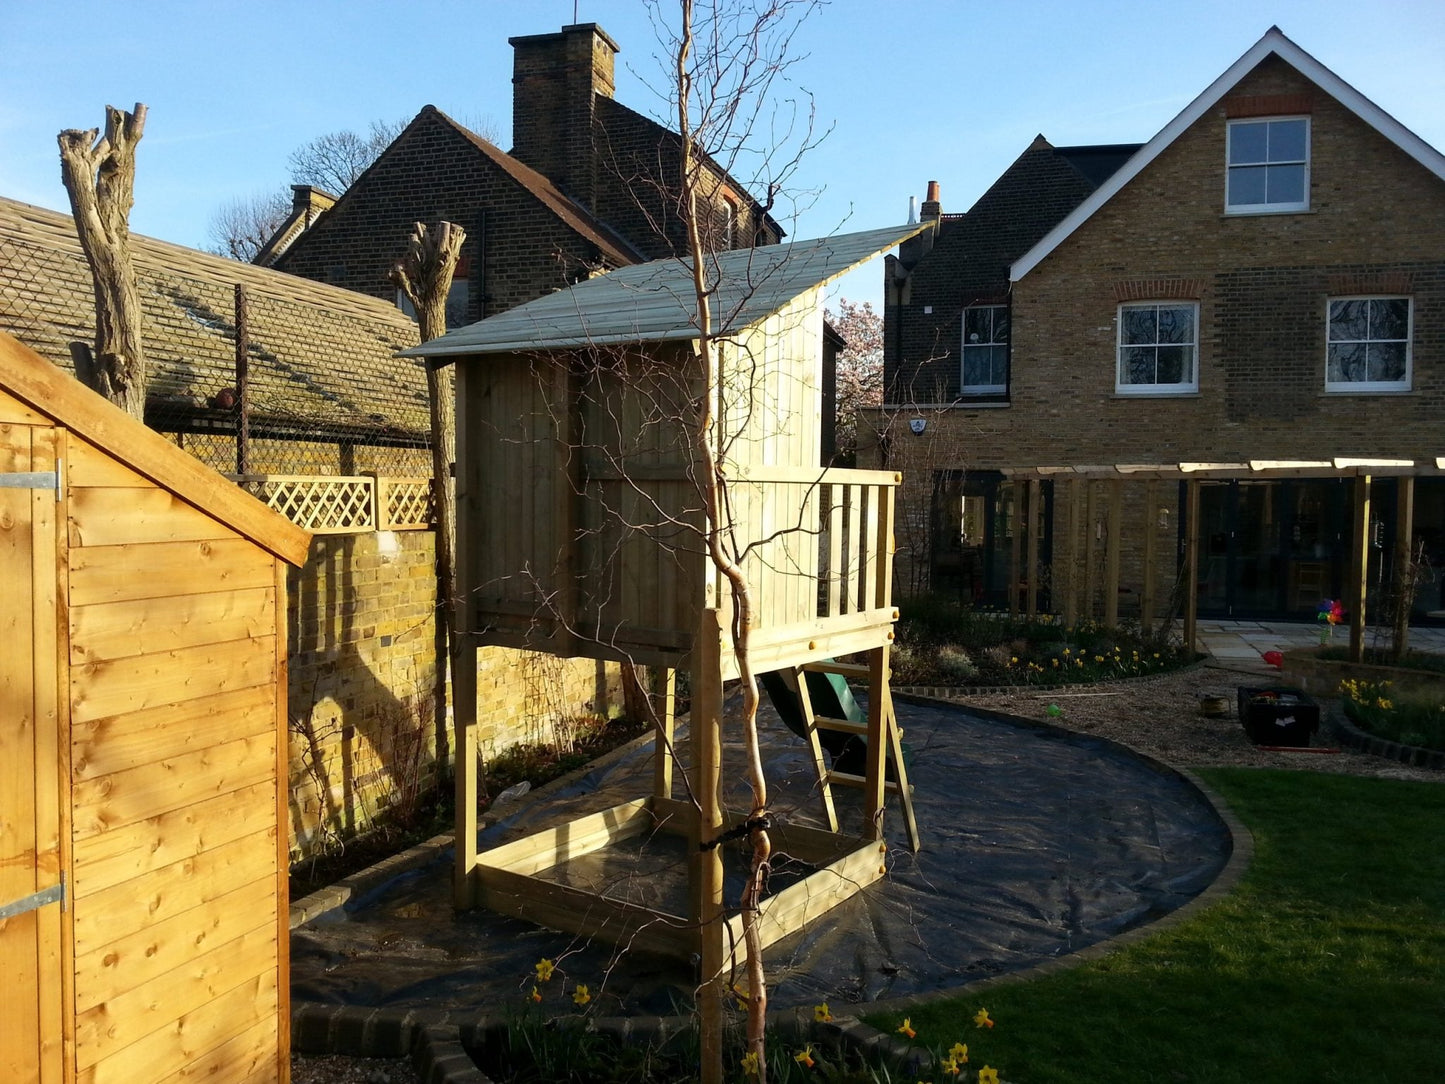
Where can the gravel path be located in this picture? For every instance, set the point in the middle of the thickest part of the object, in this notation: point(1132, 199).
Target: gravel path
point(1159, 717)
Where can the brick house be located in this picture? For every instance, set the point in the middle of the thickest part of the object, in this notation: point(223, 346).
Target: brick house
point(585, 189)
point(1260, 287)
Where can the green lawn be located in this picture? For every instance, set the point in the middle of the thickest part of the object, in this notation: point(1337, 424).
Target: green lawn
point(1326, 964)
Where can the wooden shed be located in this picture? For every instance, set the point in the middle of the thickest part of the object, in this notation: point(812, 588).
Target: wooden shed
point(581, 528)
point(143, 904)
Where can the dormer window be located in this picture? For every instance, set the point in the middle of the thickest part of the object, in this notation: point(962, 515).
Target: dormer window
point(1269, 166)
point(727, 224)
point(985, 350)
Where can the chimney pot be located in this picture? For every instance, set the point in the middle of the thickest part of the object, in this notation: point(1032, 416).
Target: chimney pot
point(933, 191)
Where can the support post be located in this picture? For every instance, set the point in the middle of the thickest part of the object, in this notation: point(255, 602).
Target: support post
point(1016, 531)
point(706, 874)
point(1071, 582)
point(1031, 598)
point(1404, 558)
point(1151, 531)
point(878, 703)
point(1191, 564)
point(1356, 588)
point(1111, 558)
point(662, 690)
point(1091, 548)
point(465, 770)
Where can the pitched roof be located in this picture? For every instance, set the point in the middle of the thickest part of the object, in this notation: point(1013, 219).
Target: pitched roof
point(1272, 43)
point(654, 301)
point(973, 251)
point(319, 355)
point(54, 394)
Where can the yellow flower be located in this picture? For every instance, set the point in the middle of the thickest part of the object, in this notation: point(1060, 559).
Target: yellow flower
point(959, 1052)
point(544, 970)
point(536, 995)
point(987, 1076)
point(980, 1019)
point(580, 996)
point(1098, 658)
point(1055, 661)
point(750, 1063)
point(948, 1065)
point(1013, 659)
point(822, 1014)
point(906, 1028)
point(1066, 651)
point(804, 1057)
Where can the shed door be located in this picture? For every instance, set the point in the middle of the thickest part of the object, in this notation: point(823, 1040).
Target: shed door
point(30, 867)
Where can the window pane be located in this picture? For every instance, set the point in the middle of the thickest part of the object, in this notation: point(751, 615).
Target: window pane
point(1287, 140)
point(1246, 186)
point(1140, 325)
point(1389, 318)
point(1349, 320)
point(975, 362)
point(1174, 365)
point(1248, 143)
point(998, 365)
point(976, 323)
point(1386, 361)
point(1176, 324)
point(1000, 324)
point(1346, 362)
point(1285, 184)
point(1138, 365)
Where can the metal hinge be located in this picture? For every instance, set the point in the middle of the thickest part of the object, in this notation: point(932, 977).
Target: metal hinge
point(34, 479)
point(53, 894)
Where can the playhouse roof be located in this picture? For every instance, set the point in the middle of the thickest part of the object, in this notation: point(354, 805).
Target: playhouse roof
point(654, 302)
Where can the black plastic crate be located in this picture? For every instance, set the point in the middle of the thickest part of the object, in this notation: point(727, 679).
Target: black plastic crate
point(1276, 715)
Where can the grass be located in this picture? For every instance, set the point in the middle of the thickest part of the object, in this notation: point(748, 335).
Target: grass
point(1326, 964)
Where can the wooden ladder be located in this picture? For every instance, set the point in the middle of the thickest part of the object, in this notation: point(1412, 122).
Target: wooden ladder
point(881, 713)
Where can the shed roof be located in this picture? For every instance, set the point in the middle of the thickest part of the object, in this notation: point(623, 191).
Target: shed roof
point(55, 394)
point(654, 302)
point(319, 354)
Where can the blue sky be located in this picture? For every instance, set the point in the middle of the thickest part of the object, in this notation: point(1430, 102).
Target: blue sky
point(914, 91)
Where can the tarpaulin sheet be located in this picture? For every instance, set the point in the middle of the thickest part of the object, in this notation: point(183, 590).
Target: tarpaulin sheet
point(1036, 842)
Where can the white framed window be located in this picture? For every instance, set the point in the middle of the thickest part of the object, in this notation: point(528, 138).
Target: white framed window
point(1368, 344)
point(985, 350)
point(1158, 348)
point(1269, 165)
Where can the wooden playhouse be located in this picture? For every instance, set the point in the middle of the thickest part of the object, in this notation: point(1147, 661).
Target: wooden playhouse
point(580, 527)
point(143, 912)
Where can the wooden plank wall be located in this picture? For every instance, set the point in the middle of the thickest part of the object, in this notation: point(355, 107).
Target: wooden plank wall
point(174, 741)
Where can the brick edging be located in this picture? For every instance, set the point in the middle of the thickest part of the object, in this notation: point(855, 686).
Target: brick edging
point(952, 693)
point(1350, 735)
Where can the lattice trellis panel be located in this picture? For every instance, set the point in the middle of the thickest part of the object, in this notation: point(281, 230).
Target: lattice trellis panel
point(404, 504)
point(322, 505)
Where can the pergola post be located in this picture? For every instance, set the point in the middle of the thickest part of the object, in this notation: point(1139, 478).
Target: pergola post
point(1146, 597)
point(1091, 548)
point(1404, 556)
point(1191, 564)
point(1031, 598)
point(1356, 583)
point(1111, 559)
point(1016, 530)
point(1071, 578)
point(464, 771)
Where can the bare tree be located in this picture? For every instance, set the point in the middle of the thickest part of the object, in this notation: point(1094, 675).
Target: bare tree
point(424, 274)
point(99, 175)
point(859, 372)
point(240, 229)
point(333, 161)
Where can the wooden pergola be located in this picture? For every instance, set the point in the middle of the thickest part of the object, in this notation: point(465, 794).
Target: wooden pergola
point(1087, 485)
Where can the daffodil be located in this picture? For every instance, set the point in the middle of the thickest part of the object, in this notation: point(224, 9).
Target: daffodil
point(822, 1013)
point(536, 994)
point(949, 1066)
point(750, 1064)
point(804, 1057)
point(544, 969)
point(980, 1019)
point(958, 1052)
point(580, 996)
point(987, 1075)
point(906, 1028)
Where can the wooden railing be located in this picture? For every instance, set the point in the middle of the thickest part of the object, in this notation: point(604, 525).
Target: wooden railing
point(344, 504)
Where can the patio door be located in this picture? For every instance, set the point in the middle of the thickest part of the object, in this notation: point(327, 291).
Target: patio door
point(30, 818)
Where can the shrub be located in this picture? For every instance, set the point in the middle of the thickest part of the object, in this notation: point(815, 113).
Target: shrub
point(1410, 718)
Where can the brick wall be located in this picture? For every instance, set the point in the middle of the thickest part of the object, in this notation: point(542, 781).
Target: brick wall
point(516, 248)
point(361, 646)
point(1376, 223)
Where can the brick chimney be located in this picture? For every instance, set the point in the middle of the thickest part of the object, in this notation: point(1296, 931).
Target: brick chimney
point(308, 201)
point(915, 248)
point(555, 79)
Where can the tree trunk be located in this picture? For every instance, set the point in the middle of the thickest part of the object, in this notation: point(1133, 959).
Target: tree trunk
point(424, 274)
point(99, 175)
